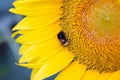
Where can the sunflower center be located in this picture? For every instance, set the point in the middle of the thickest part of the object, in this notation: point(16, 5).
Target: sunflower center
point(92, 29)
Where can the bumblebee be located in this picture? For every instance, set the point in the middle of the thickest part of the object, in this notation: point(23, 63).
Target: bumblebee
point(62, 38)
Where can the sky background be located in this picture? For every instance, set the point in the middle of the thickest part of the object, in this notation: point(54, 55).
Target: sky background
point(8, 47)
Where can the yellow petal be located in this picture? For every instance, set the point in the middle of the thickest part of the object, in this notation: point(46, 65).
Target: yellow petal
point(14, 34)
point(34, 71)
point(90, 75)
point(44, 0)
point(54, 64)
point(104, 76)
point(38, 61)
point(25, 48)
point(36, 22)
point(44, 50)
point(39, 3)
point(74, 71)
point(115, 76)
point(43, 12)
point(39, 36)
point(19, 32)
point(24, 7)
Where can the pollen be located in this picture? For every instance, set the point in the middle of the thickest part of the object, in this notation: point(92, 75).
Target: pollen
point(92, 28)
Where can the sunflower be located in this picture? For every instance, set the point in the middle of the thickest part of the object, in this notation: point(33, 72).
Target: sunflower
point(80, 39)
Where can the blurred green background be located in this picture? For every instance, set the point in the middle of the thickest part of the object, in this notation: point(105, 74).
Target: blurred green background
point(8, 48)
